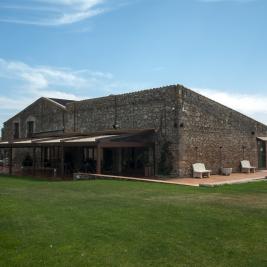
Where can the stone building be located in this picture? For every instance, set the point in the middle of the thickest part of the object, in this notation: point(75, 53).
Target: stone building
point(161, 131)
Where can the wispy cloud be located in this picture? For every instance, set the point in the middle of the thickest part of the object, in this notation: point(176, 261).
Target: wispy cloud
point(250, 104)
point(21, 84)
point(38, 79)
point(52, 13)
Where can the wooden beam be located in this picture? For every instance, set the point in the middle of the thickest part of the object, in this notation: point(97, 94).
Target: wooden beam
point(10, 159)
point(98, 161)
point(154, 160)
point(123, 144)
point(119, 160)
point(62, 161)
point(42, 157)
point(34, 161)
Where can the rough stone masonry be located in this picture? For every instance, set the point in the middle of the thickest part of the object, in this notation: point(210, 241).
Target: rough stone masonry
point(189, 127)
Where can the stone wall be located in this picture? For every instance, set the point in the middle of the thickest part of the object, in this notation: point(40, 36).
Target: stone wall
point(197, 128)
point(47, 116)
point(139, 110)
point(216, 135)
point(156, 108)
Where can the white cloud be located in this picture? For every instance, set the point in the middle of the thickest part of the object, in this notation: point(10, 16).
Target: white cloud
point(8, 104)
point(21, 84)
point(252, 105)
point(53, 13)
point(37, 78)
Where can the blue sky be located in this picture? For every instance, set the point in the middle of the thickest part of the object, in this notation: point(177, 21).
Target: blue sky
point(88, 48)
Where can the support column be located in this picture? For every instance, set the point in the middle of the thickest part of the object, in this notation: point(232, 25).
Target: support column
point(119, 160)
point(34, 161)
point(151, 160)
point(62, 161)
point(10, 159)
point(155, 162)
point(41, 160)
point(98, 161)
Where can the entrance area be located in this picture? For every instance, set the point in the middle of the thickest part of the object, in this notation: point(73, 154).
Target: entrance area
point(261, 154)
point(131, 161)
point(131, 154)
point(80, 159)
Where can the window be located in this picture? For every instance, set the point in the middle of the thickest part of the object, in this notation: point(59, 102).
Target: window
point(16, 130)
point(30, 128)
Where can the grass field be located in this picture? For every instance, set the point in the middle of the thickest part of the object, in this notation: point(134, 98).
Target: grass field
point(118, 223)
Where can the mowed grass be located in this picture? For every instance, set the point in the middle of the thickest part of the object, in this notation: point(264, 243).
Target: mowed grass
point(117, 223)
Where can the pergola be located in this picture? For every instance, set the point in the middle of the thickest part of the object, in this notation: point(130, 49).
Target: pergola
point(138, 139)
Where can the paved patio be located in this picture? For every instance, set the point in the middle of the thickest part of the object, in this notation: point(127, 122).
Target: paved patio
point(214, 180)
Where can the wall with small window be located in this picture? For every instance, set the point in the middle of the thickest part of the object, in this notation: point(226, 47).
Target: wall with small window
point(30, 126)
point(41, 117)
point(16, 130)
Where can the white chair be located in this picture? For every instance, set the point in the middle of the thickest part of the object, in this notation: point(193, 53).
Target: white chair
point(246, 167)
point(199, 170)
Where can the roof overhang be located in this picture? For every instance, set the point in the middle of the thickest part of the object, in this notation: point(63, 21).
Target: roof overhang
point(262, 139)
point(111, 140)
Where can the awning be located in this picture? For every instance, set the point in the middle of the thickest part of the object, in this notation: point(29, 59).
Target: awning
point(262, 139)
point(56, 141)
point(3, 143)
point(123, 140)
point(89, 139)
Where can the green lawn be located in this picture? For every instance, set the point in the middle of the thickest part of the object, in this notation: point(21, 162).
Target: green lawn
point(117, 223)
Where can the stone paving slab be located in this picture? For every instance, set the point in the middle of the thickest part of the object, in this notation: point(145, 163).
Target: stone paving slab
point(241, 181)
point(214, 180)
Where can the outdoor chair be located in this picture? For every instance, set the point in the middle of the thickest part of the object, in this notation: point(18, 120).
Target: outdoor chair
point(246, 167)
point(199, 170)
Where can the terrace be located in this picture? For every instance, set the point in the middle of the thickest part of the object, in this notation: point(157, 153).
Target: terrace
point(214, 180)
